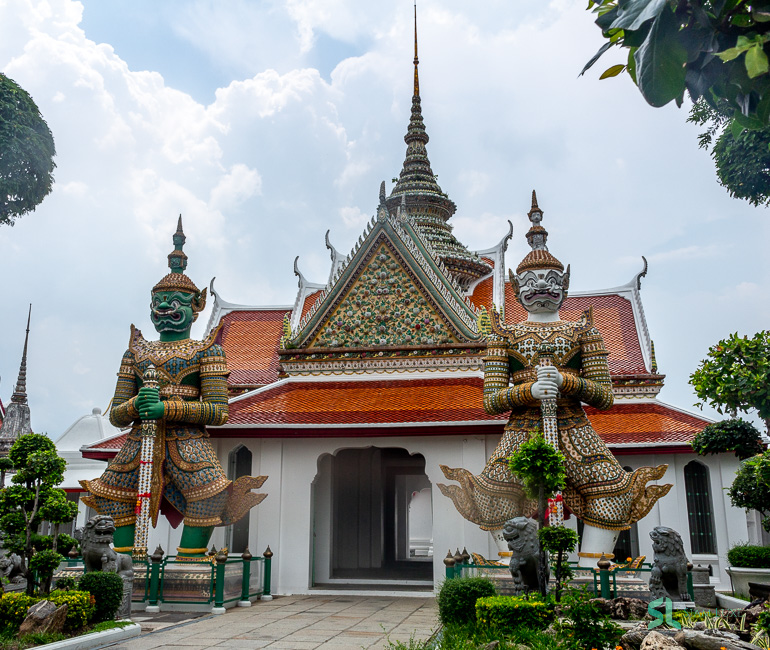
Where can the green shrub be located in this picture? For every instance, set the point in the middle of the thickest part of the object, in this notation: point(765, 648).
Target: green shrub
point(66, 583)
point(457, 598)
point(583, 625)
point(13, 610)
point(763, 621)
point(509, 613)
point(107, 589)
point(749, 556)
point(80, 607)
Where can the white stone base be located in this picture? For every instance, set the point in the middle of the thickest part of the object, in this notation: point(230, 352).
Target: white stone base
point(152, 609)
point(218, 610)
point(244, 603)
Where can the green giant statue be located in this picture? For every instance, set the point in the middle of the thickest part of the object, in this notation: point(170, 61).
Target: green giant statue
point(186, 482)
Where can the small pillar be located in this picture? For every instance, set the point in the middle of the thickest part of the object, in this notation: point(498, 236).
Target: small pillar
point(449, 563)
point(219, 585)
point(604, 576)
point(156, 558)
point(268, 555)
point(246, 558)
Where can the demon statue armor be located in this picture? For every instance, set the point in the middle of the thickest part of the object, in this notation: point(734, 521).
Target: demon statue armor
point(668, 578)
point(521, 535)
point(599, 491)
point(187, 482)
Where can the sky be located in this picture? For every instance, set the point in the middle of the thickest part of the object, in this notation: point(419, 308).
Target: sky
point(265, 124)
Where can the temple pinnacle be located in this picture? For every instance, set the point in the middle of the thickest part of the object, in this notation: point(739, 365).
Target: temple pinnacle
point(416, 60)
point(535, 214)
point(20, 393)
point(177, 260)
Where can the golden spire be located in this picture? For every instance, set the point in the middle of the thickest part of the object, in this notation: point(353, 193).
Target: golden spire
point(416, 60)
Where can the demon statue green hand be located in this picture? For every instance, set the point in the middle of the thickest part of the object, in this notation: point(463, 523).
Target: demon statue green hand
point(192, 393)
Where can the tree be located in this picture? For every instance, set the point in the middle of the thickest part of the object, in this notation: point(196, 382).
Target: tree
point(559, 541)
point(734, 435)
point(716, 50)
point(26, 153)
point(751, 487)
point(741, 156)
point(38, 469)
point(735, 376)
point(540, 468)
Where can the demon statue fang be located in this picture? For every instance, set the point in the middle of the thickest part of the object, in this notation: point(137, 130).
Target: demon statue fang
point(182, 477)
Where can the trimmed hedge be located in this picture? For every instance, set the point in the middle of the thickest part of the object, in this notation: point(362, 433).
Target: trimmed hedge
point(509, 613)
point(748, 556)
point(107, 590)
point(457, 598)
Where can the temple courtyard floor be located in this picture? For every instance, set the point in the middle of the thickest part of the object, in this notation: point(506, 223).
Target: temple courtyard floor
point(293, 623)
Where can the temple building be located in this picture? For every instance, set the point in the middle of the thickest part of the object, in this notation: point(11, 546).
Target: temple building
point(15, 419)
point(350, 398)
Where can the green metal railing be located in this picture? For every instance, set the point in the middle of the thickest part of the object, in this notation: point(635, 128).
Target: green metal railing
point(170, 579)
point(604, 578)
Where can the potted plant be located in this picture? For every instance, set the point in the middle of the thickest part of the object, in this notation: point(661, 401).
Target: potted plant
point(748, 563)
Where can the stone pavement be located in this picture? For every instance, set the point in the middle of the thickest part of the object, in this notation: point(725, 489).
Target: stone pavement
point(297, 623)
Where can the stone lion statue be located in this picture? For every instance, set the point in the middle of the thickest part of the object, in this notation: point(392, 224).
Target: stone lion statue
point(521, 535)
point(95, 540)
point(10, 568)
point(668, 578)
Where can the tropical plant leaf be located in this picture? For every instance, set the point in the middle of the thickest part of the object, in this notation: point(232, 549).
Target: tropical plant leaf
point(660, 62)
point(632, 14)
point(614, 71)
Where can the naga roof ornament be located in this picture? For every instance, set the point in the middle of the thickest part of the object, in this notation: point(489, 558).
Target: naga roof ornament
point(176, 280)
point(537, 236)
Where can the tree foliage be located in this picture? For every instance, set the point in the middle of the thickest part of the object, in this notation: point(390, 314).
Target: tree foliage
point(741, 156)
point(26, 153)
point(716, 51)
point(25, 503)
point(735, 376)
point(734, 435)
point(751, 487)
point(713, 49)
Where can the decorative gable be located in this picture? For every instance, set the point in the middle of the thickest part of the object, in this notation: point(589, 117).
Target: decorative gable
point(383, 305)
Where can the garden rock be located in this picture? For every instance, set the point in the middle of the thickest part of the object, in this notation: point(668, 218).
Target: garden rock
point(753, 611)
point(712, 640)
point(44, 617)
point(622, 608)
point(657, 641)
point(632, 639)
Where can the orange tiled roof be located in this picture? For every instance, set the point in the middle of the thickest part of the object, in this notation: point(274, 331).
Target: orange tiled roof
point(324, 405)
point(310, 300)
point(251, 340)
point(646, 423)
point(482, 293)
point(365, 402)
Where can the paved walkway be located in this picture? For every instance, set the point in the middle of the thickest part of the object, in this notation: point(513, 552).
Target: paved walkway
point(298, 623)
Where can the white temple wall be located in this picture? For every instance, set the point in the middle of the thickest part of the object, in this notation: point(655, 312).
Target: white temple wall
point(730, 525)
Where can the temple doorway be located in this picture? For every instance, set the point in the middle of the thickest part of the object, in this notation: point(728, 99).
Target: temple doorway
point(373, 519)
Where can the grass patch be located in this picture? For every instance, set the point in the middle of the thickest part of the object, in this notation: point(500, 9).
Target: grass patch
point(456, 636)
point(8, 641)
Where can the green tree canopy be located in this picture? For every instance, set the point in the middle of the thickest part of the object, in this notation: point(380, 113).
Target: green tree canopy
point(751, 487)
point(735, 376)
point(26, 153)
point(716, 51)
point(734, 435)
point(31, 497)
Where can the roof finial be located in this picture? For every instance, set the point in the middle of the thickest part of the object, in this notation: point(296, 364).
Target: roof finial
point(20, 393)
point(416, 60)
point(535, 214)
